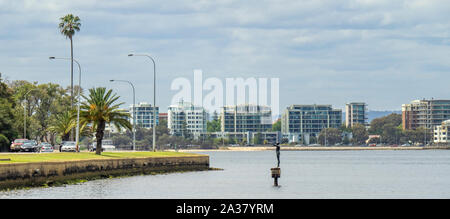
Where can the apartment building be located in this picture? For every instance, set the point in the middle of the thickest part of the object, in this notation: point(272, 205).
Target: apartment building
point(246, 118)
point(355, 113)
point(186, 119)
point(144, 115)
point(425, 113)
point(301, 122)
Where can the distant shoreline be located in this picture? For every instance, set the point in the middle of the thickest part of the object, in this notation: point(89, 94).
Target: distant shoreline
point(318, 148)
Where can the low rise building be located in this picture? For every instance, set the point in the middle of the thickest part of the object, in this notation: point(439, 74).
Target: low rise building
point(441, 133)
point(163, 116)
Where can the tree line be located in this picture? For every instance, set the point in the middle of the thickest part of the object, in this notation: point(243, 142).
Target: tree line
point(388, 128)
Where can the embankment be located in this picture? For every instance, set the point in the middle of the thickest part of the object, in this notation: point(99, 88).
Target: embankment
point(17, 175)
point(318, 148)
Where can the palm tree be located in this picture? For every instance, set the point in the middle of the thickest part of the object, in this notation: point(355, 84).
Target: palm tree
point(62, 125)
point(68, 26)
point(100, 108)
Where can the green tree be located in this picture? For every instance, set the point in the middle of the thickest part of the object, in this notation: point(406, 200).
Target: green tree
point(258, 139)
point(62, 125)
point(276, 127)
point(4, 143)
point(344, 128)
point(312, 139)
point(346, 141)
point(100, 108)
point(391, 134)
point(214, 125)
point(49, 102)
point(332, 136)
point(43, 103)
point(377, 125)
point(7, 119)
point(359, 133)
point(68, 25)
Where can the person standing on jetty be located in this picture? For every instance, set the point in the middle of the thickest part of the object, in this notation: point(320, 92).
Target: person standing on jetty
point(277, 150)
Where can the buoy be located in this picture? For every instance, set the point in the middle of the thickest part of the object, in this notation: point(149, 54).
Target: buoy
point(276, 173)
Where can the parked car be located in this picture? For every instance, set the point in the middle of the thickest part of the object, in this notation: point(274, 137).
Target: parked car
point(372, 145)
point(29, 146)
point(15, 146)
point(68, 146)
point(46, 147)
point(107, 145)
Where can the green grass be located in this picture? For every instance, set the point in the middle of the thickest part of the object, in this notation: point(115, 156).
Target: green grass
point(68, 156)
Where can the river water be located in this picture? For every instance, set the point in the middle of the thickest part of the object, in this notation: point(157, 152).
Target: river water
point(304, 174)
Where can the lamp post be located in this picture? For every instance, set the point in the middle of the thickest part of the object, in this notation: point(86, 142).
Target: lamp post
point(154, 95)
point(25, 113)
point(134, 111)
point(77, 137)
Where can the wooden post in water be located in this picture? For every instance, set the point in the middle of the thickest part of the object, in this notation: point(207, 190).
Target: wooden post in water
point(276, 173)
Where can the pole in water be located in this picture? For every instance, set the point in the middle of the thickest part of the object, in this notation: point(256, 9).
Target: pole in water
point(276, 173)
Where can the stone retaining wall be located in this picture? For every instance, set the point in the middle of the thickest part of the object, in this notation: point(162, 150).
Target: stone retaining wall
point(15, 175)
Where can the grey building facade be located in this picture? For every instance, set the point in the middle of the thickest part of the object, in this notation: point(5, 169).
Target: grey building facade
point(356, 113)
point(246, 118)
point(301, 122)
point(144, 115)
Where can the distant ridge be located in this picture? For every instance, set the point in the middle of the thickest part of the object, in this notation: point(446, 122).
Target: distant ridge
point(376, 114)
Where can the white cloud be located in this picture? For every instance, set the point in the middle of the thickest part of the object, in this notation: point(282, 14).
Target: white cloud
point(358, 48)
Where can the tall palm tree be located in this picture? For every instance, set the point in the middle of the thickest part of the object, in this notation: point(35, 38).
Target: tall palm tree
point(68, 26)
point(100, 108)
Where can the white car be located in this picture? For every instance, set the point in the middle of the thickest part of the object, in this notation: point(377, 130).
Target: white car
point(107, 145)
point(46, 147)
point(69, 146)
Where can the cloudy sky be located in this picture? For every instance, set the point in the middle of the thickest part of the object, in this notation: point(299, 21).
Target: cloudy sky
point(382, 52)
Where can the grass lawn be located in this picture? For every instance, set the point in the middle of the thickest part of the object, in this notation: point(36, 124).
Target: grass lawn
point(71, 156)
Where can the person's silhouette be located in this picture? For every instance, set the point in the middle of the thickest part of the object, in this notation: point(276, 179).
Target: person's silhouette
point(277, 150)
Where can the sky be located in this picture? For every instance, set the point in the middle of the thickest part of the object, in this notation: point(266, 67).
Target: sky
point(382, 52)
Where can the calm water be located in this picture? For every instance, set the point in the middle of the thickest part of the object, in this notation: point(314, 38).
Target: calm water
point(305, 174)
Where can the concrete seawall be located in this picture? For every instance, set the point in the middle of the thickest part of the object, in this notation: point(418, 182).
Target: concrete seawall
point(318, 148)
point(14, 175)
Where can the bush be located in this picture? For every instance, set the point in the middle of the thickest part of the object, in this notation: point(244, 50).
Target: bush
point(4, 143)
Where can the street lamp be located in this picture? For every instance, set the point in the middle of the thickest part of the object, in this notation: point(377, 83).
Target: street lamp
point(25, 113)
point(154, 96)
point(134, 111)
point(77, 137)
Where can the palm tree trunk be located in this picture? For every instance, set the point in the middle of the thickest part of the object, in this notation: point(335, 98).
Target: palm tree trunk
point(99, 136)
point(71, 81)
point(71, 72)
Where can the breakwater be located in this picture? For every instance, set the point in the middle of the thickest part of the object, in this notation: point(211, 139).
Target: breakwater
point(16, 175)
